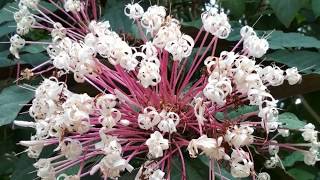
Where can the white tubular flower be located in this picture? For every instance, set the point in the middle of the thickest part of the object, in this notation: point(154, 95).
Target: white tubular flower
point(149, 50)
point(149, 118)
point(180, 48)
point(273, 162)
point(247, 31)
point(62, 61)
point(149, 74)
point(58, 32)
point(273, 75)
point(112, 164)
point(309, 133)
point(71, 149)
point(157, 175)
point(81, 102)
point(149, 170)
point(240, 164)
point(106, 102)
point(165, 35)
point(284, 132)
point(292, 75)
point(199, 110)
point(239, 136)
point(110, 118)
point(156, 144)
point(217, 91)
point(32, 4)
point(216, 23)
point(72, 5)
point(133, 11)
point(273, 148)
point(45, 169)
point(255, 46)
point(263, 176)
point(311, 156)
point(209, 146)
point(169, 123)
point(153, 18)
point(16, 43)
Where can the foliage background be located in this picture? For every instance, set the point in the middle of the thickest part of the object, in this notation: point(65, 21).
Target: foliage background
point(291, 26)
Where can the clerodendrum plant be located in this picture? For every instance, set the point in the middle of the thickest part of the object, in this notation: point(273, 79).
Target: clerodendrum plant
point(151, 104)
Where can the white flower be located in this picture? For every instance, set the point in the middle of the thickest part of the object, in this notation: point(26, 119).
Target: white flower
point(218, 90)
point(58, 32)
point(293, 76)
point(133, 11)
point(239, 136)
point(169, 122)
point(45, 169)
point(111, 165)
point(71, 148)
point(216, 23)
point(32, 4)
point(255, 46)
point(149, 74)
point(149, 171)
point(273, 148)
point(263, 176)
point(180, 48)
point(240, 165)
point(157, 175)
point(311, 156)
point(273, 75)
point(247, 31)
point(284, 132)
point(72, 5)
point(16, 43)
point(199, 110)
point(156, 144)
point(209, 146)
point(149, 118)
point(153, 18)
point(309, 134)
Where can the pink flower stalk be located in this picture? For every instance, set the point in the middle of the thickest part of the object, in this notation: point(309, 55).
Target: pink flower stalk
point(152, 104)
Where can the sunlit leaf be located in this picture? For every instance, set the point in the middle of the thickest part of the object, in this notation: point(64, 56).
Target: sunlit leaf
point(291, 121)
point(292, 158)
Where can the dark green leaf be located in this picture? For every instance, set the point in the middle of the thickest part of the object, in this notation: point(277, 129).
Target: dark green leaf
point(316, 7)
point(34, 48)
point(11, 102)
point(4, 60)
point(299, 173)
point(236, 7)
point(304, 60)
point(5, 14)
point(7, 28)
point(114, 12)
point(24, 169)
point(292, 158)
point(291, 121)
point(286, 10)
point(34, 59)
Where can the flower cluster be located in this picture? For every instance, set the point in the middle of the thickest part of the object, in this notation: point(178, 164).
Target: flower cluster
point(152, 103)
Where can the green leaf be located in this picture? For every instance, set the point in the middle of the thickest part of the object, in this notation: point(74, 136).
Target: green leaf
point(5, 15)
point(7, 28)
point(304, 60)
point(236, 7)
point(118, 20)
point(286, 10)
point(233, 113)
point(34, 48)
point(34, 59)
point(224, 174)
point(24, 168)
point(4, 60)
point(291, 121)
point(299, 173)
point(10, 105)
point(196, 23)
point(316, 7)
point(281, 40)
point(292, 158)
